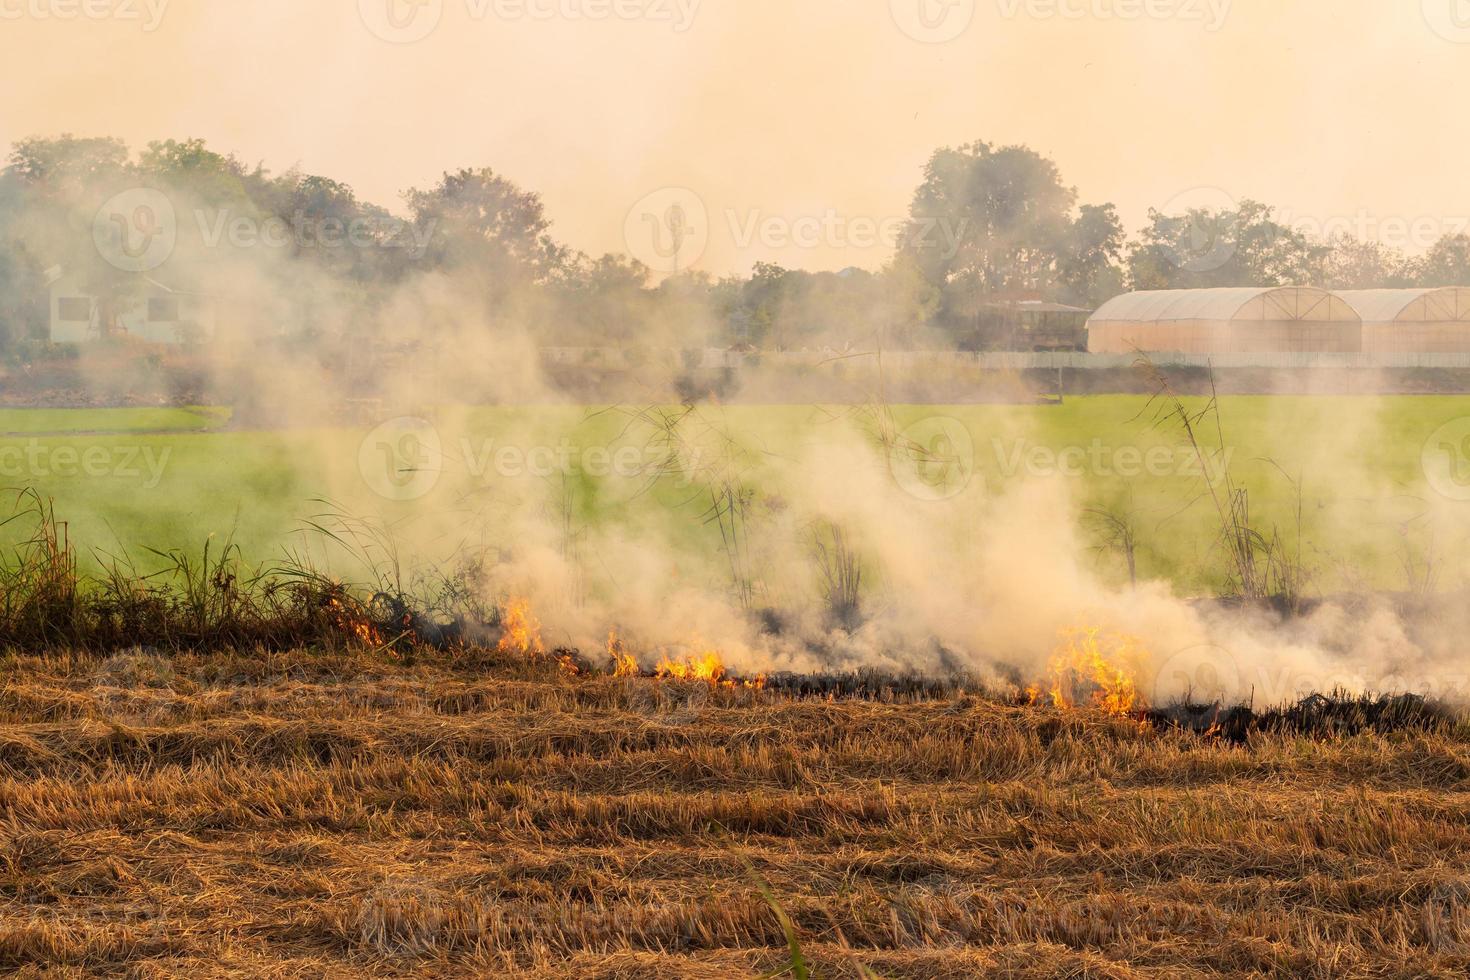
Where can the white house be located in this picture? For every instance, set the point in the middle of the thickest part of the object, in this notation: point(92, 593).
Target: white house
point(161, 315)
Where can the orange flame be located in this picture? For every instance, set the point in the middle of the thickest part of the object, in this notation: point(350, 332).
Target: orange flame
point(353, 623)
point(624, 663)
point(708, 666)
point(1094, 669)
point(520, 630)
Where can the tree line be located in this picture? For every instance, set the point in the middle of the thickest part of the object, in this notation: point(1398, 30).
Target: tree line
point(318, 259)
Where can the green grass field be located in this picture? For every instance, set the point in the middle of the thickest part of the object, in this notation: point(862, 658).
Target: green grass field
point(136, 479)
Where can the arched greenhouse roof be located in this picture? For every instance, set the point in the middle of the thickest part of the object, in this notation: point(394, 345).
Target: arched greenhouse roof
point(1224, 304)
point(1432, 305)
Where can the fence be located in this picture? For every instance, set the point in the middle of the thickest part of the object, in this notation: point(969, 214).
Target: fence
point(901, 362)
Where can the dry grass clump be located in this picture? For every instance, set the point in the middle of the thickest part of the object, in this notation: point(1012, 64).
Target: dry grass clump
point(210, 599)
point(346, 814)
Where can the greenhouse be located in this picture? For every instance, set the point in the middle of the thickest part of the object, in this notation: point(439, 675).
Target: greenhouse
point(1229, 320)
point(1420, 321)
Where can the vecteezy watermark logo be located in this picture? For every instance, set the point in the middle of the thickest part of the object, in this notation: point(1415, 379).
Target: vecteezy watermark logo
point(1019, 456)
point(1445, 917)
point(143, 921)
point(1203, 226)
point(149, 12)
point(933, 459)
point(302, 232)
point(134, 688)
point(833, 229)
point(1446, 459)
point(34, 459)
point(933, 21)
point(401, 21)
point(402, 459)
point(487, 460)
point(678, 13)
point(1414, 233)
point(668, 230)
point(136, 231)
point(1211, 13)
point(1450, 19)
point(402, 917)
point(1201, 674)
point(407, 21)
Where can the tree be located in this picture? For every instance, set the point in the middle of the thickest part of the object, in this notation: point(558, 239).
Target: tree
point(1447, 263)
point(907, 302)
point(606, 300)
point(67, 161)
point(343, 236)
point(191, 166)
point(994, 218)
point(763, 298)
point(1088, 271)
point(65, 182)
point(1202, 248)
point(23, 297)
point(1354, 264)
point(687, 310)
point(992, 224)
point(483, 226)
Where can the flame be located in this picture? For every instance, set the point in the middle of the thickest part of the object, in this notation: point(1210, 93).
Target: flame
point(353, 623)
point(624, 663)
point(520, 630)
point(707, 665)
point(1094, 669)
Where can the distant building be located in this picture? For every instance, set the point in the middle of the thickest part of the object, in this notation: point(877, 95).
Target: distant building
point(1418, 321)
point(1231, 320)
point(1038, 325)
point(160, 315)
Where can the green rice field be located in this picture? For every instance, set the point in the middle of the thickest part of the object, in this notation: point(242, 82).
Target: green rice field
point(1342, 478)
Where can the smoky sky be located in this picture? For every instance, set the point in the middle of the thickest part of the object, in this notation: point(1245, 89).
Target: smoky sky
point(772, 111)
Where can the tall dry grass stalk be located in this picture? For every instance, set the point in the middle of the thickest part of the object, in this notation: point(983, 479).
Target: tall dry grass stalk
point(1262, 565)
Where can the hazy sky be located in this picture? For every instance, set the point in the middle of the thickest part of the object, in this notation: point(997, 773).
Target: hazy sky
point(803, 118)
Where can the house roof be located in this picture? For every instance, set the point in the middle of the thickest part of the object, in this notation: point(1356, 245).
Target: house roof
point(56, 273)
point(1037, 306)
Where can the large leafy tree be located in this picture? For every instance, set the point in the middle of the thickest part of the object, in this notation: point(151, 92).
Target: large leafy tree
point(1089, 269)
point(191, 166)
point(1447, 263)
point(1240, 246)
point(992, 219)
point(1350, 263)
point(67, 162)
point(481, 225)
point(605, 300)
point(992, 223)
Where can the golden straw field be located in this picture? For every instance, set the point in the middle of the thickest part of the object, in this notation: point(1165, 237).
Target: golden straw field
point(344, 814)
